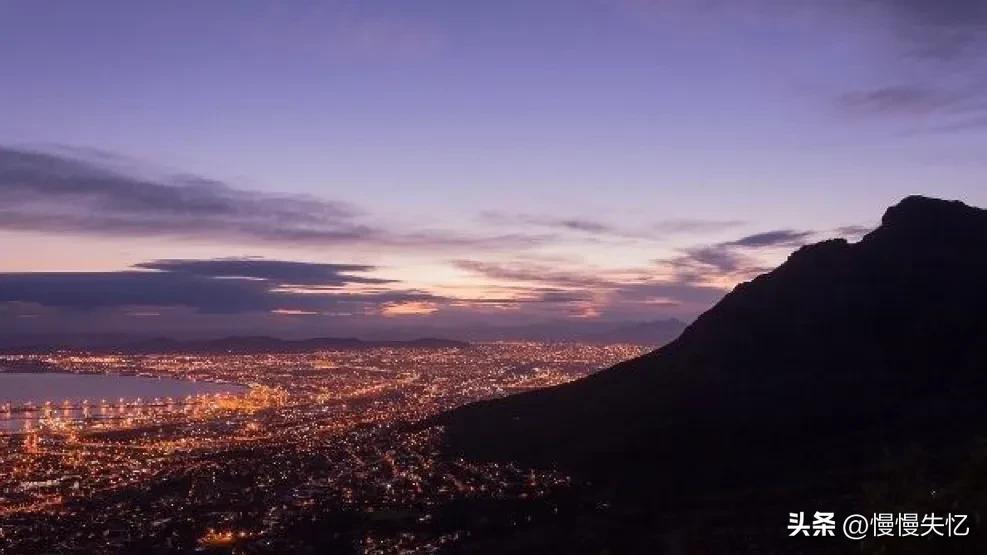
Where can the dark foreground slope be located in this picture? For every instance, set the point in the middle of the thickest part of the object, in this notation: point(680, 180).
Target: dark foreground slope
point(843, 354)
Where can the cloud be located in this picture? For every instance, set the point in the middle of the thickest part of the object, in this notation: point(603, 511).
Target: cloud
point(56, 193)
point(694, 226)
point(582, 225)
point(90, 290)
point(938, 14)
point(776, 238)
point(48, 192)
point(528, 272)
point(223, 286)
point(730, 262)
point(679, 286)
point(943, 46)
point(900, 100)
point(408, 308)
point(279, 271)
point(926, 59)
point(700, 262)
point(942, 29)
point(225, 296)
point(608, 295)
point(585, 225)
point(588, 226)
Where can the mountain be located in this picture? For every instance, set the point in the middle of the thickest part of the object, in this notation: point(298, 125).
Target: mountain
point(797, 385)
point(246, 345)
point(654, 334)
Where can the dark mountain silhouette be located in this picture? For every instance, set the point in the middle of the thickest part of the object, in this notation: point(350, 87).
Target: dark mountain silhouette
point(654, 334)
point(246, 345)
point(806, 377)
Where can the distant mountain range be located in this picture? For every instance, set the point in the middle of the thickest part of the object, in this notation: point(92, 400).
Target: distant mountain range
point(788, 394)
point(571, 330)
point(242, 345)
point(653, 334)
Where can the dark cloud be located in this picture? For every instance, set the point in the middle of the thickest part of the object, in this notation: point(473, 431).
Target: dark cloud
point(776, 238)
point(279, 271)
point(206, 286)
point(90, 290)
point(949, 40)
point(941, 29)
point(61, 194)
point(732, 261)
point(193, 296)
point(189, 295)
point(704, 261)
point(942, 13)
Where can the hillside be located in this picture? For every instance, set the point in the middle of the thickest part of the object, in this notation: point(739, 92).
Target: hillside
point(843, 351)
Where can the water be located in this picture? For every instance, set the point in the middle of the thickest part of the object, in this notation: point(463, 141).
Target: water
point(20, 389)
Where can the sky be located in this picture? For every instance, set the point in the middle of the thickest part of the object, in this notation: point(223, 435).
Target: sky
point(398, 167)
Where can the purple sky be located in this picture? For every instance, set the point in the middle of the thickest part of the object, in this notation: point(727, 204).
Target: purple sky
point(456, 164)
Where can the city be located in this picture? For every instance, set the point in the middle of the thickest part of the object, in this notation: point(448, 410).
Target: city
point(588, 277)
point(314, 436)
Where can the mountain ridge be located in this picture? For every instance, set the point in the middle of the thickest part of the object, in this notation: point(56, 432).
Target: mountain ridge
point(846, 340)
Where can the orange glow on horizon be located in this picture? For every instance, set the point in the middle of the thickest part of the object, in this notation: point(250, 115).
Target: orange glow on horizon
point(411, 308)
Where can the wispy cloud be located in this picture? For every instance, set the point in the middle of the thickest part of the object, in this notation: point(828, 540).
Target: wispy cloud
point(48, 192)
point(694, 226)
point(598, 228)
point(281, 272)
point(942, 45)
point(683, 285)
point(55, 193)
point(776, 238)
point(928, 58)
point(897, 100)
point(729, 262)
point(616, 295)
point(942, 29)
point(529, 272)
point(712, 263)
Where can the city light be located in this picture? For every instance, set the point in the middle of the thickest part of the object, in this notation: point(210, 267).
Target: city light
point(310, 433)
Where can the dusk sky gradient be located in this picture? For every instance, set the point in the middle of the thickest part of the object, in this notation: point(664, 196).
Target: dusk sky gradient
point(442, 164)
